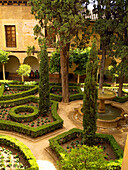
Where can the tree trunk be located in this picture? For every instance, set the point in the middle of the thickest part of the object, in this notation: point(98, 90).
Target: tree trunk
point(59, 80)
point(120, 86)
point(64, 59)
point(22, 78)
point(78, 78)
point(3, 72)
point(102, 68)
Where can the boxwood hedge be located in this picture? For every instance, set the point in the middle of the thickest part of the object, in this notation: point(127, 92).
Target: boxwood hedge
point(34, 113)
point(21, 94)
point(72, 97)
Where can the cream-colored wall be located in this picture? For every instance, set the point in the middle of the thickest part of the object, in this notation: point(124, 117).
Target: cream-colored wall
point(125, 157)
point(21, 17)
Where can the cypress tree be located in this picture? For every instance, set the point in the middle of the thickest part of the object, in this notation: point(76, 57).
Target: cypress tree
point(44, 100)
point(90, 98)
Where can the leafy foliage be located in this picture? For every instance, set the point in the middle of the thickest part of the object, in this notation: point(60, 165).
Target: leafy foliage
point(30, 50)
point(53, 14)
point(120, 40)
point(55, 62)
point(112, 25)
point(84, 157)
point(3, 60)
point(4, 57)
point(80, 57)
point(24, 70)
point(104, 27)
point(90, 98)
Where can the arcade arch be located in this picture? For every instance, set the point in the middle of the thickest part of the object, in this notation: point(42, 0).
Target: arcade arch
point(33, 62)
point(12, 65)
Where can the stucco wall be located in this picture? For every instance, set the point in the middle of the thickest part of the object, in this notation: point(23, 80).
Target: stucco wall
point(125, 158)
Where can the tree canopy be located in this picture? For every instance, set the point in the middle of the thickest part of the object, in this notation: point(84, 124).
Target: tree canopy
point(67, 17)
point(24, 70)
point(3, 60)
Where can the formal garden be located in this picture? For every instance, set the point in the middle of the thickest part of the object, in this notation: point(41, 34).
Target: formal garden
point(29, 110)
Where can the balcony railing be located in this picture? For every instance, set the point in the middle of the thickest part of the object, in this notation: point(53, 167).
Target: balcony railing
point(15, 2)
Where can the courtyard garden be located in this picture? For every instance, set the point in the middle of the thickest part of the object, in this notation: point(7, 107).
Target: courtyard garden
point(32, 112)
point(37, 120)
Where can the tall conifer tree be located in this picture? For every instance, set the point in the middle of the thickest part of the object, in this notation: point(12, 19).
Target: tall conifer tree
point(90, 98)
point(44, 100)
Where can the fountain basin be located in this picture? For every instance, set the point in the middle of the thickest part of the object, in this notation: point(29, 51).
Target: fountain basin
point(112, 120)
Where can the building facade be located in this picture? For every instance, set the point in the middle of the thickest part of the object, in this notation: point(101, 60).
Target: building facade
point(16, 25)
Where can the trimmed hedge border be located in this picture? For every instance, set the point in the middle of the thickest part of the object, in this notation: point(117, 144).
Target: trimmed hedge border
point(22, 87)
point(19, 101)
point(121, 99)
point(55, 143)
point(18, 145)
point(19, 95)
point(72, 97)
point(31, 131)
point(11, 82)
point(34, 112)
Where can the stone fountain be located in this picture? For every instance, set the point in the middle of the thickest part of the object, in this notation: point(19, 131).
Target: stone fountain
point(104, 94)
point(109, 114)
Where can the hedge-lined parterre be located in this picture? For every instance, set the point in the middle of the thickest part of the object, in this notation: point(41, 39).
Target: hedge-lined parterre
point(33, 113)
point(56, 145)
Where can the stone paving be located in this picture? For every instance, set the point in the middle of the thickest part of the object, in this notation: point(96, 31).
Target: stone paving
point(39, 145)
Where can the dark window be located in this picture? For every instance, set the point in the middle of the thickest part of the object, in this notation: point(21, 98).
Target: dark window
point(10, 32)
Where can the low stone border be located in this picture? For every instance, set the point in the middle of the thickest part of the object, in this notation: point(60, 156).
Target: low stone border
point(34, 112)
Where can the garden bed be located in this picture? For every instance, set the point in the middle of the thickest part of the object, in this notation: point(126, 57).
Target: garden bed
point(15, 155)
point(32, 124)
point(63, 143)
point(40, 120)
point(74, 143)
point(75, 93)
point(11, 158)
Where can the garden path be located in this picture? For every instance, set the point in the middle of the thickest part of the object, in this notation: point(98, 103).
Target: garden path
point(39, 145)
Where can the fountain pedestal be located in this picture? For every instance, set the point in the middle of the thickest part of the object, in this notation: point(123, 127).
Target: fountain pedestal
point(103, 95)
point(101, 107)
